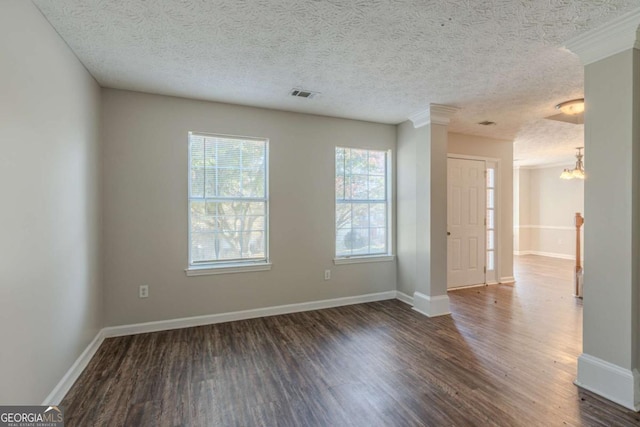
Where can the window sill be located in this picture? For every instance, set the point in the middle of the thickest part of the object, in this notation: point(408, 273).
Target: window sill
point(227, 269)
point(363, 259)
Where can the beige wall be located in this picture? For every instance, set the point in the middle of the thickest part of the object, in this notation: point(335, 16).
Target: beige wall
point(145, 202)
point(471, 145)
point(50, 303)
point(547, 210)
point(522, 210)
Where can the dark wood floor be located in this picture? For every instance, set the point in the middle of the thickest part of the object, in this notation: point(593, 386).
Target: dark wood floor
point(507, 357)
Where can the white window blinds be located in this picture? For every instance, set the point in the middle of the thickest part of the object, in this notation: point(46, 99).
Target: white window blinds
point(228, 199)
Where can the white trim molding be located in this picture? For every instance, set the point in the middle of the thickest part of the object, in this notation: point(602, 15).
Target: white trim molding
point(227, 269)
point(436, 114)
point(431, 306)
point(547, 227)
point(363, 259)
point(420, 118)
point(478, 285)
point(507, 279)
point(522, 253)
point(467, 157)
point(210, 319)
point(615, 36)
point(610, 381)
point(64, 385)
point(407, 299)
point(546, 254)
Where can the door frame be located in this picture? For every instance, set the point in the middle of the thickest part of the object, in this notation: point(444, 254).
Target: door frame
point(497, 211)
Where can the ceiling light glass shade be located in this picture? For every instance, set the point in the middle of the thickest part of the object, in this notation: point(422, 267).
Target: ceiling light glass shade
point(566, 174)
point(578, 171)
point(573, 107)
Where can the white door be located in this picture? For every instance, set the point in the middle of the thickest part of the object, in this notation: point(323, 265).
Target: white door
point(466, 198)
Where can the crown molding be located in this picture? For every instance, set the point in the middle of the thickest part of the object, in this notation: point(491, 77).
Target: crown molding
point(420, 118)
point(436, 114)
point(615, 36)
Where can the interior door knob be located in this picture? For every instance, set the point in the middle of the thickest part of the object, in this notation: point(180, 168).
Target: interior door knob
point(448, 233)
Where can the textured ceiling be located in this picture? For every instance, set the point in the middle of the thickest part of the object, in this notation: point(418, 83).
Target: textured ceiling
point(376, 60)
point(547, 142)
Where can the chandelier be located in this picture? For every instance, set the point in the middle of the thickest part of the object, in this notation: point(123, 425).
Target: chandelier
point(578, 171)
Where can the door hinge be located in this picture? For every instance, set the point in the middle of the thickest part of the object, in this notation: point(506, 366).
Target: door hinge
point(485, 269)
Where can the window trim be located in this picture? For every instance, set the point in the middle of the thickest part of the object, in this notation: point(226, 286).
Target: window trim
point(363, 259)
point(367, 258)
point(491, 276)
point(234, 266)
point(227, 268)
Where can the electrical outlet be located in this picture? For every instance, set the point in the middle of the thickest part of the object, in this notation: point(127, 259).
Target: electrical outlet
point(327, 275)
point(144, 291)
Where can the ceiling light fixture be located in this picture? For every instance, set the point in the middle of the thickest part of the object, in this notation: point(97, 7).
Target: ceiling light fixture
point(578, 171)
point(573, 107)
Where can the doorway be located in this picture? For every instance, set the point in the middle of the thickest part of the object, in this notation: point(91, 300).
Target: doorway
point(467, 203)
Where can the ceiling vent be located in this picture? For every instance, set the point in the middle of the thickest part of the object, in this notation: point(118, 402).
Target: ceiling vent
point(302, 93)
point(487, 123)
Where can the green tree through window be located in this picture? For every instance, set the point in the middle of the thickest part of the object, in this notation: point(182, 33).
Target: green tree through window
point(361, 202)
point(228, 204)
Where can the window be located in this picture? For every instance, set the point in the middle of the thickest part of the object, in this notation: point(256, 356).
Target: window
point(362, 203)
point(491, 221)
point(228, 201)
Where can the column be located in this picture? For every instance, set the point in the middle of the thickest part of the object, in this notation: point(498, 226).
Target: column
point(609, 363)
point(428, 247)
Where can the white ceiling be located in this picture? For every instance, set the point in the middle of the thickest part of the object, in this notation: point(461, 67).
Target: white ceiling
point(376, 60)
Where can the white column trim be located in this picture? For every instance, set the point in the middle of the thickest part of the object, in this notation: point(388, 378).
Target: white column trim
point(431, 306)
point(407, 299)
point(615, 36)
point(613, 382)
point(436, 114)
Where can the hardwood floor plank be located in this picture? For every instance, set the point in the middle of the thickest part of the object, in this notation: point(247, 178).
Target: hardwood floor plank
point(505, 357)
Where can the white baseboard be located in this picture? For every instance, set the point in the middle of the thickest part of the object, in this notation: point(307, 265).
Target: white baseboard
point(407, 299)
point(431, 306)
point(508, 279)
point(610, 381)
point(547, 254)
point(460, 288)
point(210, 319)
point(64, 385)
point(521, 253)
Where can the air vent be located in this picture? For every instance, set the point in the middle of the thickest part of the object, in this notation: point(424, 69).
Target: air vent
point(487, 123)
point(302, 93)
